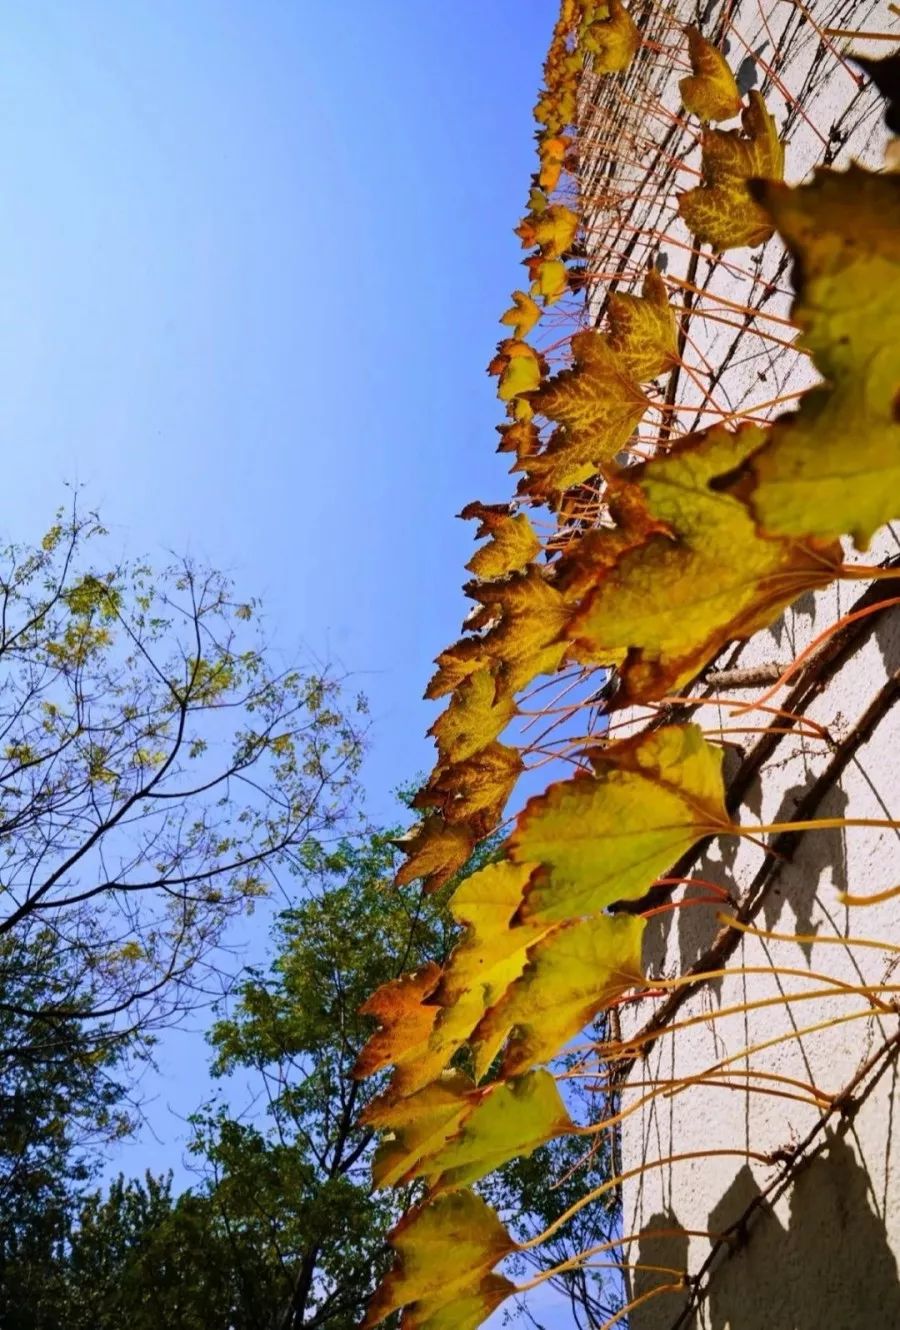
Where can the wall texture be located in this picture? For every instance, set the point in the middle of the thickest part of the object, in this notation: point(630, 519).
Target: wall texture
point(766, 1186)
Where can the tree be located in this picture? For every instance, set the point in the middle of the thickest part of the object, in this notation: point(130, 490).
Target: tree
point(157, 774)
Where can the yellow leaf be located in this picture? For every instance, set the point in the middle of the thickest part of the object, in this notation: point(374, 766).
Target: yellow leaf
point(552, 155)
point(606, 837)
point(476, 790)
point(550, 279)
point(522, 315)
point(418, 1125)
point(573, 972)
point(612, 41)
point(667, 606)
point(522, 438)
point(643, 330)
point(499, 1122)
point(553, 230)
point(710, 93)
point(474, 717)
point(455, 664)
point(597, 403)
point(513, 542)
point(445, 1251)
point(405, 1022)
point(468, 1310)
point(527, 617)
point(435, 851)
point(722, 210)
point(834, 466)
point(519, 367)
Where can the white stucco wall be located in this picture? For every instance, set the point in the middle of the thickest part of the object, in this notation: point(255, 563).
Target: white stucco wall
point(824, 1250)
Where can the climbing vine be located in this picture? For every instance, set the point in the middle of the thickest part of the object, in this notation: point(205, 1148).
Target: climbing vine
point(634, 551)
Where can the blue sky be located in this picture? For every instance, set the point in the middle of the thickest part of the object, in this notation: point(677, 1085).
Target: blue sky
point(254, 257)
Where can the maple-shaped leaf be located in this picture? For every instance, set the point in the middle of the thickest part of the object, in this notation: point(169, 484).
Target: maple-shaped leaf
point(522, 315)
point(528, 616)
point(668, 605)
point(455, 664)
point(710, 93)
point(498, 1123)
point(476, 790)
point(490, 957)
point(522, 438)
point(606, 837)
point(834, 466)
point(435, 851)
point(597, 403)
point(549, 279)
point(613, 40)
point(417, 1126)
point(537, 200)
point(556, 110)
point(512, 541)
point(592, 553)
point(475, 716)
point(404, 1021)
point(519, 367)
point(642, 329)
point(552, 155)
point(445, 1251)
point(553, 230)
point(722, 210)
point(573, 971)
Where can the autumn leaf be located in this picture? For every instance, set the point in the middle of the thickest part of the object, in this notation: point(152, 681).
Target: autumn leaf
point(612, 41)
point(445, 1252)
point(522, 315)
point(511, 545)
point(474, 717)
point(474, 791)
point(404, 1021)
point(435, 851)
point(527, 617)
point(553, 230)
point(722, 210)
point(597, 404)
point(506, 1119)
point(642, 329)
point(522, 438)
point(710, 93)
point(519, 367)
point(416, 1126)
point(456, 663)
point(573, 971)
point(668, 605)
point(552, 156)
point(834, 466)
point(607, 836)
point(549, 279)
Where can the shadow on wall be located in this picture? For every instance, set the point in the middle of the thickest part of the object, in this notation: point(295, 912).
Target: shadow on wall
point(830, 1267)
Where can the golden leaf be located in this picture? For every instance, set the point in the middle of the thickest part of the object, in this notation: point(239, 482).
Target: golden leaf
point(519, 367)
point(573, 971)
point(405, 1022)
point(552, 156)
point(710, 93)
point(528, 616)
point(643, 330)
point(668, 605)
point(475, 790)
point(499, 1122)
point(445, 1251)
point(522, 438)
point(435, 852)
point(722, 211)
point(513, 542)
point(606, 837)
point(550, 279)
point(418, 1125)
point(553, 230)
point(474, 717)
point(612, 41)
point(598, 405)
point(455, 664)
point(522, 315)
point(834, 466)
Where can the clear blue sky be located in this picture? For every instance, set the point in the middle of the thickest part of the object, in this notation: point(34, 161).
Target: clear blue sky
point(253, 256)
